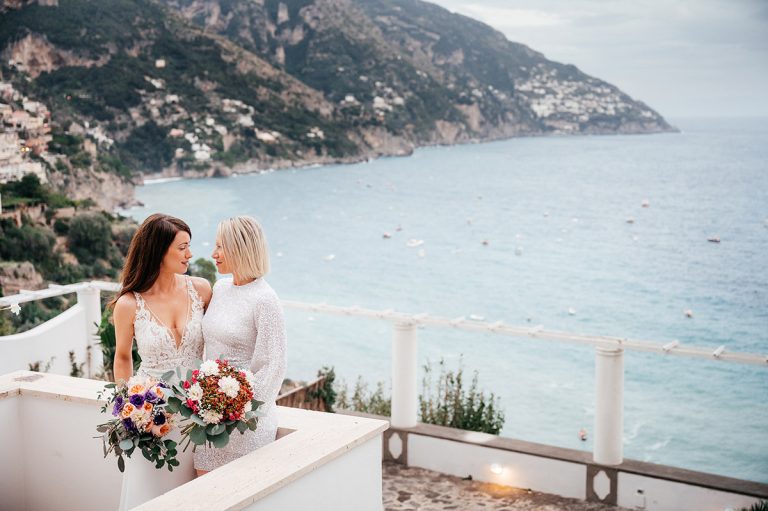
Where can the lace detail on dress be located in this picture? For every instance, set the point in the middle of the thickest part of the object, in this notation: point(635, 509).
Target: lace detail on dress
point(157, 346)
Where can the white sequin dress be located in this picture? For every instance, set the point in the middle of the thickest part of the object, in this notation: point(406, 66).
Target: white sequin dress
point(244, 325)
point(159, 354)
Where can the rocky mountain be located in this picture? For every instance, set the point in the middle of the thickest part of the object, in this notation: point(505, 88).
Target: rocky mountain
point(207, 87)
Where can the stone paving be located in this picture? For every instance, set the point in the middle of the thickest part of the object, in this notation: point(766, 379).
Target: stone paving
point(411, 489)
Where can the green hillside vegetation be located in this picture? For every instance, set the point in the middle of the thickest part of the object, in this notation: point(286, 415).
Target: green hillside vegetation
point(198, 86)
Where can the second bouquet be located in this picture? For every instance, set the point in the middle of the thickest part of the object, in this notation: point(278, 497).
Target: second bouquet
point(217, 398)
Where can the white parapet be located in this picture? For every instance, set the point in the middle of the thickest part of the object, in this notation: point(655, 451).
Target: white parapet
point(49, 343)
point(50, 459)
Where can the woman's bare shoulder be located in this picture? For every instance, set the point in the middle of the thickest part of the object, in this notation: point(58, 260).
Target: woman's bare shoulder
point(126, 304)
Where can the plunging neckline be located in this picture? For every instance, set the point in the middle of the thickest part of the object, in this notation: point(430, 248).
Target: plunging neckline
point(159, 322)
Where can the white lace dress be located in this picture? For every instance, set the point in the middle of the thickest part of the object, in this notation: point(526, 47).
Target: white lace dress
point(244, 325)
point(159, 354)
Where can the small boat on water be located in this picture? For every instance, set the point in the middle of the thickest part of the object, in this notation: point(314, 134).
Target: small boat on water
point(412, 243)
point(714, 239)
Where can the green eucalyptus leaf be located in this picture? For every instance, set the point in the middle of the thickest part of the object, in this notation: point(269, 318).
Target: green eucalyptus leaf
point(167, 375)
point(217, 429)
point(189, 374)
point(126, 444)
point(185, 412)
point(242, 426)
point(197, 435)
point(220, 440)
point(197, 420)
point(120, 464)
point(170, 444)
point(159, 463)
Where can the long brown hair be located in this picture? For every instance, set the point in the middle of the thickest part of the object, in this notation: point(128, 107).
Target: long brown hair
point(148, 247)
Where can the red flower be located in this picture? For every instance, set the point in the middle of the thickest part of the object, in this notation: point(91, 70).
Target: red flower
point(191, 404)
point(195, 373)
point(187, 385)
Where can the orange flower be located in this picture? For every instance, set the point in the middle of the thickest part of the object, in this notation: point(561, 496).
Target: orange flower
point(147, 406)
point(148, 427)
point(127, 410)
point(159, 392)
point(136, 389)
point(164, 429)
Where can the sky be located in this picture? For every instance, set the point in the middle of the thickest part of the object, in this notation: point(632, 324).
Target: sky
point(684, 58)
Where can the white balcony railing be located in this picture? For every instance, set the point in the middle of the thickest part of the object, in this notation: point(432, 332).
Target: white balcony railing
point(41, 342)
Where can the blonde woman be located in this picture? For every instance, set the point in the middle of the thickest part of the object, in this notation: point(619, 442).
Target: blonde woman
point(244, 325)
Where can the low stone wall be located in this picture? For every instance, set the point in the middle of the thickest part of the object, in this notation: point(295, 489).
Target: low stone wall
point(565, 472)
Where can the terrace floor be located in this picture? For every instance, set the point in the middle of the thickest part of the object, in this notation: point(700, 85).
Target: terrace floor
point(409, 488)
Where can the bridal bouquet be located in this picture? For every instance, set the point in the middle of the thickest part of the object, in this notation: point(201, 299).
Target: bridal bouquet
point(217, 399)
point(141, 421)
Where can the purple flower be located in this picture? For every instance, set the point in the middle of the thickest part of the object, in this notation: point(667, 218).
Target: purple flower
point(159, 419)
point(136, 400)
point(128, 423)
point(118, 405)
point(151, 397)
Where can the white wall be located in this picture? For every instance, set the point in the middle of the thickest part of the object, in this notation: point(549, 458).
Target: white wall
point(339, 485)
point(63, 463)
point(54, 338)
point(661, 495)
point(518, 470)
point(12, 456)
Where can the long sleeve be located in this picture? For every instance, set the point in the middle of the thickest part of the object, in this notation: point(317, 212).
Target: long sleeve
point(269, 360)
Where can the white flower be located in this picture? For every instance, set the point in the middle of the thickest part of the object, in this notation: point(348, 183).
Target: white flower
point(140, 417)
point(15, 308)
point(210, 417)
point(195, 392)
point(229, 386)
point(209, 368)
point(250, 377)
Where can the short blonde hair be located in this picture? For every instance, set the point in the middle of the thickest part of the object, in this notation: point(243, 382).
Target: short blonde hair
point(244, 246)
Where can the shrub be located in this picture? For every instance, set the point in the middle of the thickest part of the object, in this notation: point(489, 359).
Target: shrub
point(25, 243)
point(202, 267)
point(364, 401)
point(451, 404)
point(76, 370)
point(327, 393)
point(108, 343)
point(90, 237)
point(61, 226)
point(444, 402)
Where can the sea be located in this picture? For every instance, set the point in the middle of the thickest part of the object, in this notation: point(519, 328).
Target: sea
point(653, 237)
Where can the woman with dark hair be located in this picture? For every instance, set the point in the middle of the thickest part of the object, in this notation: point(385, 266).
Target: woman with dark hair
point(162, 309)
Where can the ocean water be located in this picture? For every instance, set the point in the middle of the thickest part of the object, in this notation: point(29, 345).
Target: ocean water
point(522, 231)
